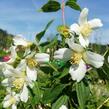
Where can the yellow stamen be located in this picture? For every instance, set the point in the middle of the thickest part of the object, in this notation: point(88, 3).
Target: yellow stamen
point(18, 83)
point(75, 58)
point(12, 100)
point(86, 30)
point(29, 44)
point(64, 31)
point(31, 62)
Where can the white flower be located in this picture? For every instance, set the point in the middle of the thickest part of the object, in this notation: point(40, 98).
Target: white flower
point(78, 58)
point(42, 57)
point(24, 75)
point(84, 27)
point(17, 78)
point(18, 40)
point(13, 57)
point(12, 100)
point(63, 107)
point(32, 61)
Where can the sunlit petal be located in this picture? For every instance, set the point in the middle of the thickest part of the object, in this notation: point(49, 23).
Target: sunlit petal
point(78, 72)
point(83, 16)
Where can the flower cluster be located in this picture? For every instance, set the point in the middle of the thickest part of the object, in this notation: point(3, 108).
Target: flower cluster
point(21, 75)
point(78, 53)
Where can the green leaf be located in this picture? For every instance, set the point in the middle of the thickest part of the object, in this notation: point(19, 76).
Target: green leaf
point(37, 92)
point(64, 73)
point(51, 6)
point(82, 94)
point(61, 101)
point(52, 42)
point(73, 5)
point(42, 33)
point(50, 45)
point(49, 23)
point(51, 94)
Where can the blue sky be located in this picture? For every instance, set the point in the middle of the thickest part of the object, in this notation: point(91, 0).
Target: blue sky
point(21, 17)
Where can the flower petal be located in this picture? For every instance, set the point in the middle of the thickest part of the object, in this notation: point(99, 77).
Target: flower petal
point(24, 94)
point(75, 28)
point(21, 66)
point(95, 23)
point(11, 71)
point(17, 97)
point(63, 53)
point(83, 16)
point(20, 41)
point(71, 39)
point(7, 97)
point(83, 41)
point(14, 106)
point(63, 107)
point(42, 57)
point(31, 73)
point(93, 59)
point(76, 47)
point(8, 70)
point(78, 72)
point(13, 54)
point(5, 82)
point(6, 104)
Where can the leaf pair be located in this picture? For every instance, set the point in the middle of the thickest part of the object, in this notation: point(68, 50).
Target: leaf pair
point(53, 6)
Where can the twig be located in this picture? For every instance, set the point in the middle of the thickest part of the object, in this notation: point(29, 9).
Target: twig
point(105, 52)
point(103, 103)
point(53, 67)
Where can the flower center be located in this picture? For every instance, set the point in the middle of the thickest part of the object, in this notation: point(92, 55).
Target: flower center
point(18, 83)
point(31, 62)
point(29, 44)
point(75, 58)
point(64, 31)
point(12, 100)
point(86, 30)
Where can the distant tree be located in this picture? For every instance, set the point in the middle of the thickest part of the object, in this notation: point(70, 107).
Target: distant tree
point(5, 39)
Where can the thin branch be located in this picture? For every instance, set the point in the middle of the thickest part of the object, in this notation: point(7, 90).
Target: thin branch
point(63, 12)
point(103, 103)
